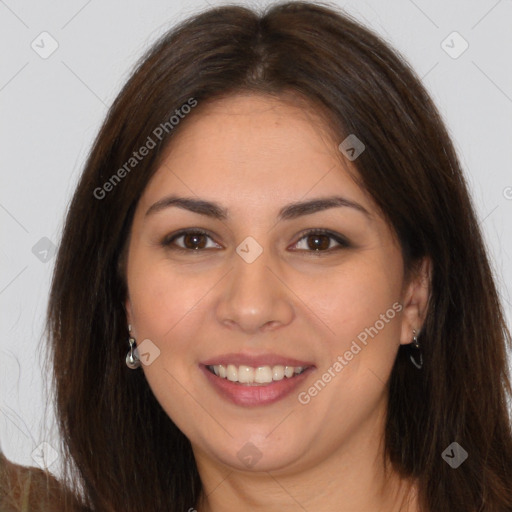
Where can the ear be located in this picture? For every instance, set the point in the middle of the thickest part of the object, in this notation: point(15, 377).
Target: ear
point(415, 301)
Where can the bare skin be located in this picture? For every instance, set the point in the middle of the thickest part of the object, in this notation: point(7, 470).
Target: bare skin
point(253, 155)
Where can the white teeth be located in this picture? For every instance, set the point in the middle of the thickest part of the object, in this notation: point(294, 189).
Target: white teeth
point(263, 375)
point(289, 371)
point(278, 372)
point(245, 374)
point(232, 373)
point(260, 375)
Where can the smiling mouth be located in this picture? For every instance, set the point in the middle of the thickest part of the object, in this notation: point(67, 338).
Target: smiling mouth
point(255, 376)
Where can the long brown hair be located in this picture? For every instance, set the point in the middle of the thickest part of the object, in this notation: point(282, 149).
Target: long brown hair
point(122, 451)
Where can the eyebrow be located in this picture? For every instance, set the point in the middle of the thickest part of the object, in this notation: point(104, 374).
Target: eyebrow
point(288, 212)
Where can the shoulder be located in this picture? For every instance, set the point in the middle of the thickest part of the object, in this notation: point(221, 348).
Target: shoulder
point(28, 489)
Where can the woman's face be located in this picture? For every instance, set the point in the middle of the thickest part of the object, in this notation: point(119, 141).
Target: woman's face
point(256, 294)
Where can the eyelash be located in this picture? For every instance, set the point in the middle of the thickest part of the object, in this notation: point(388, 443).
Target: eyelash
point(167, 242)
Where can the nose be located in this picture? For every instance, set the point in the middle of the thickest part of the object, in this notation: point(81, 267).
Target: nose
point(254, 297)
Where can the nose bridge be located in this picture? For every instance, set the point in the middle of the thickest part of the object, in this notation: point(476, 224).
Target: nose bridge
point(251, 285)
point(252, 277)
point(254, 296)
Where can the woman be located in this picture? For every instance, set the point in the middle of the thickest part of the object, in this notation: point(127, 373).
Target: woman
point(272, 291)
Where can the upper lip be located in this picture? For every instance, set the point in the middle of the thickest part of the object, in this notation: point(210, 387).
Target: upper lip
point(255, 360)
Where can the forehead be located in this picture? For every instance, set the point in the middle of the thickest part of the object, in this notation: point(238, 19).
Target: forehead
point(249, 147)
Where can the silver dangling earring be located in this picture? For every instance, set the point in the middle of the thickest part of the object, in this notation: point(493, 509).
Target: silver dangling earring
point(416, 345)
point(132, 361)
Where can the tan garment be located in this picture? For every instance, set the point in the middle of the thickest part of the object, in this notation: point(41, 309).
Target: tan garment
point(28, 489)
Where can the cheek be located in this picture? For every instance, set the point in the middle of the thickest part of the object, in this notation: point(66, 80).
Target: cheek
point(352, 299)
point(164, 304)
point(161, 296)
point(342, 302)
point(361, 308)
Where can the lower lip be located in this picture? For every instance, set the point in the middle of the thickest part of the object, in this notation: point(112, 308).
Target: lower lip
point(242, 394)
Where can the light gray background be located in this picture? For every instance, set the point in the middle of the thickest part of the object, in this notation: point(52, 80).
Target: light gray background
point(52, 108)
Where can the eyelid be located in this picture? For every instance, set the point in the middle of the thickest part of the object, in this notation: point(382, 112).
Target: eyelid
point(168, 240)
point(338, 238)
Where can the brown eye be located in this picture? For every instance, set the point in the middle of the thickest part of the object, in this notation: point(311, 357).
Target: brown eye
point(194, 241)
point(317, 242)
point(189, 241)
point(320, 241)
